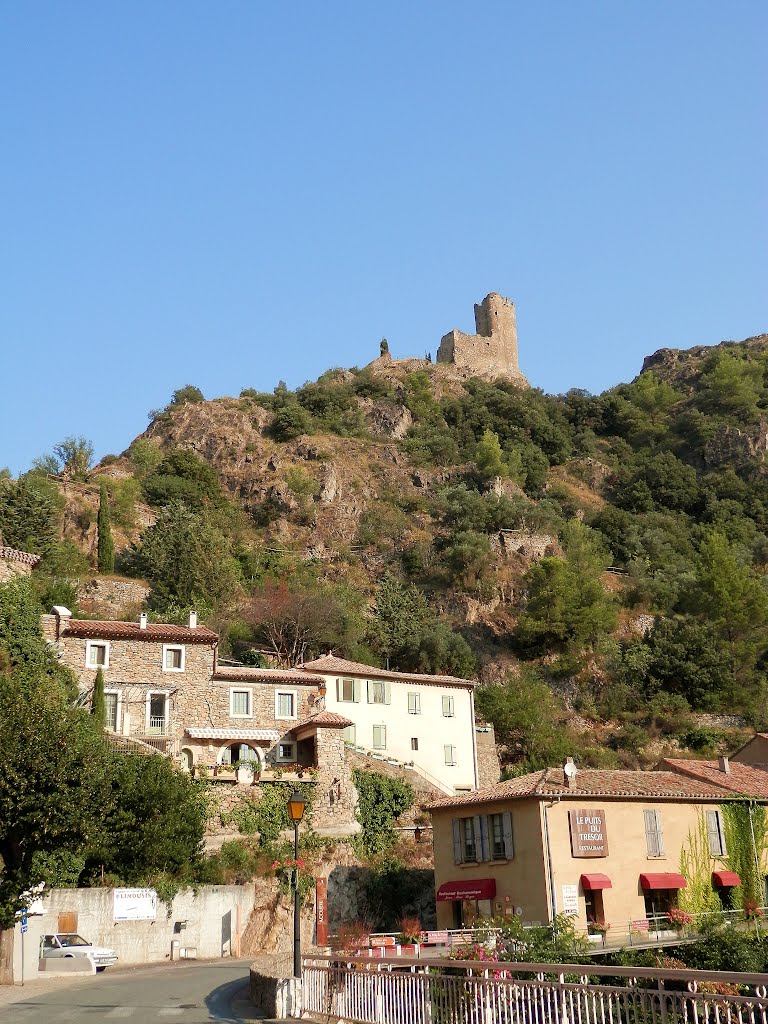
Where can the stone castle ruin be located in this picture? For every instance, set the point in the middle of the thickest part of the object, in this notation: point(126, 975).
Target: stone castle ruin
point(492, 351)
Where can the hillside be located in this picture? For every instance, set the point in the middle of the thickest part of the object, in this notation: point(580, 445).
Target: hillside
point(598, 561)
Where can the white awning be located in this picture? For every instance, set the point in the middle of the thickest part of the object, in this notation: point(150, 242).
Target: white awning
point(232, 734)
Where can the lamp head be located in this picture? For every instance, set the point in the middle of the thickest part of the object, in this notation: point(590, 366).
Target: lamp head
point(296, 806)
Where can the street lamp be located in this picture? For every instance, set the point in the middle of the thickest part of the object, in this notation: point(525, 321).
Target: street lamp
point(296, 806)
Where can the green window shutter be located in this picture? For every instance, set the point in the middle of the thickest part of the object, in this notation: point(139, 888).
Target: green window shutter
point(457, 843)
point(387, 693)
point(357, 691)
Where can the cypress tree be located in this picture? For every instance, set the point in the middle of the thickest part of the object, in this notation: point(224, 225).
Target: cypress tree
point(98, 705)
point(106, 547)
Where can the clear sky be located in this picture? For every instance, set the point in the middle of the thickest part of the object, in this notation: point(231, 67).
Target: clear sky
point(231, 193)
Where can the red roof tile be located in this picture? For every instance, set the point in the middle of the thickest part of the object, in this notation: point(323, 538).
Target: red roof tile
point(589, 782)
point(244, 674)
point(93, 629)
point(340, 666)
point(746, 779)
point(12, 555)
point(325, 720)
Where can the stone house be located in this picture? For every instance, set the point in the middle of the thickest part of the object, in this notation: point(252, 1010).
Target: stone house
point(164, 687)
point(15, 563)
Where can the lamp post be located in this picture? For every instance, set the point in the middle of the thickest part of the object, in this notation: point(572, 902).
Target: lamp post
point(296, 806)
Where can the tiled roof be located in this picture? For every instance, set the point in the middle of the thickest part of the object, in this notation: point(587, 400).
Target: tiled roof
point(93, 629)
point(231, 734)
point(746, 779)
point(590, 782)
point(12, 555)
point(267, 675)
point(340, 666)
point(325, 720)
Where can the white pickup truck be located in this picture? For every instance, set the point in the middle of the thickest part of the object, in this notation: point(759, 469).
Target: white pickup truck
point(68, 944)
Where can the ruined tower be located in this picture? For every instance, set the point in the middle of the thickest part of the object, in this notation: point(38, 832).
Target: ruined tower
point(490, 353)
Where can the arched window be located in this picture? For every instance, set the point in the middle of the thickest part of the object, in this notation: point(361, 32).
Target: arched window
point(187, 759)
point(234, 752)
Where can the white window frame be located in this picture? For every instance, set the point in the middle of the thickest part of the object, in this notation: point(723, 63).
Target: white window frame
point(286, 758)
point(240, 689)
point(450, 758)
point(118, 709)
point(354, 686)
point(287, 693)
point(450, 703)
point(383, 746)
point(175, 647)
point(257, 754)
point(375, 687)
point(414, 698)
point(167, 716)
point(89, 646)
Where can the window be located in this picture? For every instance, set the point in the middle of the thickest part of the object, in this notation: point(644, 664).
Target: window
point(111, 704)
point(414, 742)
point(286, 751)
point(173, 658)
point(157, 714)
point(447, 706)
point(654, 837)
point(350, 735)
point(715, 834)
point(240, 703)
point(483, 838)
point(414, 703)
point(238, 752)
point(347, 690)
point(379, 692)
point(450, 753)
point(285, 704)
point(379, 737)
point(97, 654)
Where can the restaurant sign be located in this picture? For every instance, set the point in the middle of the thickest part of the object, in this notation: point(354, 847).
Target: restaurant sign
point(588, 835)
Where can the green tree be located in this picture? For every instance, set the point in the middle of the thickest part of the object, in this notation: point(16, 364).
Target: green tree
point(75, 457)
point(381, 802)
point(732, 385)
point(184, 477)
point(30, 510)
point(106, 547)
point(98, 705)
point(188, 394)
point(489, 457)
point(187, 559)
point(155, 824)
point(399, 616)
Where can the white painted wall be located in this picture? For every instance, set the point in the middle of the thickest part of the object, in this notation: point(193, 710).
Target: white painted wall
point(432, 729)
point(211, 916)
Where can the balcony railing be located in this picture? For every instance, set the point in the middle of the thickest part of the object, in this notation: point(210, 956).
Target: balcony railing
point(158, 725)
point(477, 992)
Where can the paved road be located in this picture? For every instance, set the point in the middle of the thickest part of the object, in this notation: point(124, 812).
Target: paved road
point(184, 993)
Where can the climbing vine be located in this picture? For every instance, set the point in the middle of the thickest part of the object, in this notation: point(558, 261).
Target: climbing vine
point(381, 801)
point(699, 897)
point(746, 842)
point(268, 816)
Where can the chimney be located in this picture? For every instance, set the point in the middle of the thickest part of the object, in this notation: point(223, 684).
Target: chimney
point(143, 620)
point(63, 615)
point(193, 620)
point(724, 765)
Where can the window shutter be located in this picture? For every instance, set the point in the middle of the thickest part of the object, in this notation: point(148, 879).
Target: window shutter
point(339, 690)
point(477, 832)
point(509, 849)
point(654, 838)
point(369, 691)
point(714, 834)
point(356, 691)
point(485, 851)
point(457, 841)
point(659, 833)
point(387, 693)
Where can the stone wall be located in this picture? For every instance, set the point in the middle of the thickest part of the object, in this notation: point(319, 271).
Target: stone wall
point(15, 563)
point(111, 598)
point(488, 764)
point(492, 351)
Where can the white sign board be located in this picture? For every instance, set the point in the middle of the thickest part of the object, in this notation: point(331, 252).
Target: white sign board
point(571, 900)
point(135, 905)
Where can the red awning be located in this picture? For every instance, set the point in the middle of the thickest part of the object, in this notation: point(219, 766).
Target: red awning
point(590, 882)
point(725, 878)
point(468, 889)
point(663, 881)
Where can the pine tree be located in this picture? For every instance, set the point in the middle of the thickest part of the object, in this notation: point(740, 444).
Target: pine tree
point(106, 548)
point(98, 705)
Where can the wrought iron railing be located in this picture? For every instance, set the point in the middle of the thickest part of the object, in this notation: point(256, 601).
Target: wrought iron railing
point(158, 726)
point(465, 992)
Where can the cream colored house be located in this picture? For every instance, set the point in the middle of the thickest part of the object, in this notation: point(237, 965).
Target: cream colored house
point(600, 846)
point(421, 720)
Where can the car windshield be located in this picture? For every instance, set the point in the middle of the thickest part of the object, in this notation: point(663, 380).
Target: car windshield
point(73, 940)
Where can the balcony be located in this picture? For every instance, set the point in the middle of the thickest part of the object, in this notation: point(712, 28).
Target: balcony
point(158, 726)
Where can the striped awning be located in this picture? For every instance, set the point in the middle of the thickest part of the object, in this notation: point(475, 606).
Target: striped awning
point(202, 733)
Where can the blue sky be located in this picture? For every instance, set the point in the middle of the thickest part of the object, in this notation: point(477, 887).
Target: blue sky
point(229, 194)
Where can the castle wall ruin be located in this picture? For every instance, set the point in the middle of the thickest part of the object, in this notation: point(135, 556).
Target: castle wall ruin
point(492, 351)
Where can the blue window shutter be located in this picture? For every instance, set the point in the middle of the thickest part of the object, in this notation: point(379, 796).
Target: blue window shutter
point(509, 849)
point(457, 849)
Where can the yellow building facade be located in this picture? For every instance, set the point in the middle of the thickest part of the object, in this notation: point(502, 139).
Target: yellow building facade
point(603, 847)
